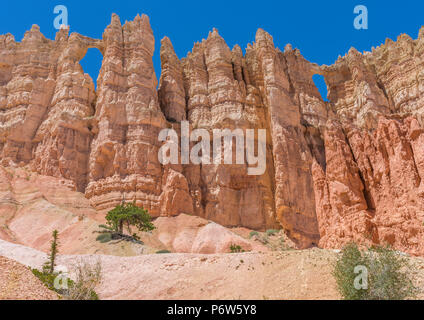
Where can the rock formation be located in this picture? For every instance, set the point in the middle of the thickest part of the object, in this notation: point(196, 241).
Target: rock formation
point(33, 205)
point(349, 169)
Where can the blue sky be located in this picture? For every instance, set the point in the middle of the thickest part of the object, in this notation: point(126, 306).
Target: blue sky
point(322, 30)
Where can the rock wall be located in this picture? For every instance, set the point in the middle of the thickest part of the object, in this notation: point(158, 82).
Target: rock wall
point(371, 190)
point(344, 170)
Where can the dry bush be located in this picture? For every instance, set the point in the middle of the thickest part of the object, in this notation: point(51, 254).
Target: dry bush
point(87, 278)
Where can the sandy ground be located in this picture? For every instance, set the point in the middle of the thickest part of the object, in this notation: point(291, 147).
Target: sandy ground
point(273, 275)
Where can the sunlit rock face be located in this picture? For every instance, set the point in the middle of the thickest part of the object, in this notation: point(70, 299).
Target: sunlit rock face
point(371, 189)
point(349, 169)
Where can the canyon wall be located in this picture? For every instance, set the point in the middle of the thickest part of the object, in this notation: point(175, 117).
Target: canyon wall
point(344, 170)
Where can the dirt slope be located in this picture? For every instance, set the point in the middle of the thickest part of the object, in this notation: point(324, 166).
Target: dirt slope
point(276, 275)
point(282, 275)
point(18, 283)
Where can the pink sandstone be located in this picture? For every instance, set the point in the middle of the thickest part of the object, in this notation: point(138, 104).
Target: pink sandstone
point(349, 169)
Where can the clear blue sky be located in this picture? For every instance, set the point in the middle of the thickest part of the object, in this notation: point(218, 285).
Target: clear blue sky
point(322, 30)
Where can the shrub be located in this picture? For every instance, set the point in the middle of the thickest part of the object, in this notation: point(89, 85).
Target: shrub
point(283, 245)
point(88, 276)
point(263, 239)
point(48, 280)
point(388, 274)
point(104, 237)
point(344, 272)
point(163, 251)
point(253, 233)
point(271, 232)
point(236, 248)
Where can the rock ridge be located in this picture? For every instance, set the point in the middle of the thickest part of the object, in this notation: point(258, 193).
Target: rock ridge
point(349, 169)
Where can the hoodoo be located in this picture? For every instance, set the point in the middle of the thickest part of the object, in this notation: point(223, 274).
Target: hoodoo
point(347, 169)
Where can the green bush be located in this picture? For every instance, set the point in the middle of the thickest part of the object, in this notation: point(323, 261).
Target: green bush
point(48, 280)
point(388, 274)
point(253, 233)
point(350, 258)
point(163, 251)
point(272, 232)
point(236, 248)
point(104, 237)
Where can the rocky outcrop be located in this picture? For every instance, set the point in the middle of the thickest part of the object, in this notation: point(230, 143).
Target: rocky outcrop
point(123, 161)
point(32, 206)
point(45, 101)
point(371, 188)
point(220, 96)
point(294, 196)
point(372, 192)
point(197, 235)
point(349, 169)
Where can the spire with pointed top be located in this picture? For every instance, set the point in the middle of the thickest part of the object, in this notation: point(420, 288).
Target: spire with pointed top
point(167, 52)
point(264, 39)
point(421, 33)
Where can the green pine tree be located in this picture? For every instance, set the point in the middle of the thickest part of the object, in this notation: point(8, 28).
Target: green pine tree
point(125, 216)
point(48, 267)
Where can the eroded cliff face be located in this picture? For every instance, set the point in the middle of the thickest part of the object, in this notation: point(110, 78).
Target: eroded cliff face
point(345, 170)
point(371, 189)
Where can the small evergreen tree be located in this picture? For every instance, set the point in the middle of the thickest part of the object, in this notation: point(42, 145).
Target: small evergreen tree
point(124, 216)
point(87, 276)
point(48, 267)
